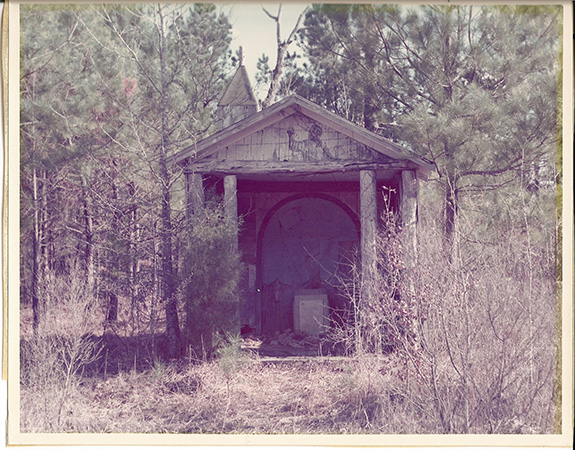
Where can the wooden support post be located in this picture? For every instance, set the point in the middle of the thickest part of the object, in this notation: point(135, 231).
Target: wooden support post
point(368, 213)
point(231, 216)
point(368, 210)
point(408, 211)
point(195, 193)
point(231, 202)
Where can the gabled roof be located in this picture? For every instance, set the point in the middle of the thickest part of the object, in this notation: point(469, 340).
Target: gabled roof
point(285, 108)
point(239, 91)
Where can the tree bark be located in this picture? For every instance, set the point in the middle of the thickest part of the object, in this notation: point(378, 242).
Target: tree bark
point(451, 200)
point(451, 210)
point(167, 275)
point(36, 256)
point(282, 47)
point(88, 239)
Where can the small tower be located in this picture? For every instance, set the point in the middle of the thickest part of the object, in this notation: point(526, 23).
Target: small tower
point(238, 100)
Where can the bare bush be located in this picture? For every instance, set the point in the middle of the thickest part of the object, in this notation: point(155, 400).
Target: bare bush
point(382, 313)
point(486, 360)
point(62, 347)
point(469, 336)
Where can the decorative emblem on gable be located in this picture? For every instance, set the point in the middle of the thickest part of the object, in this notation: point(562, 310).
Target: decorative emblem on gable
point(307, 140)
point(310, 149)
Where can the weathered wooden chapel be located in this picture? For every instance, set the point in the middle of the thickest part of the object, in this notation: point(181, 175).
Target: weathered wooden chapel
point(308, 185)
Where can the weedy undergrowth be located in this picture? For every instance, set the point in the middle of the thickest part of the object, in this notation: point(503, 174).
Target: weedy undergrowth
point(61, 348)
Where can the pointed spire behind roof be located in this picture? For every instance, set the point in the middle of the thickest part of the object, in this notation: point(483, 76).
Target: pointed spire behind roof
point(239, 91)
point(242, 55)
point(238, 100)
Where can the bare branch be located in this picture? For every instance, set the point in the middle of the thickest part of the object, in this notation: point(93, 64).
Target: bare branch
point(282, 46)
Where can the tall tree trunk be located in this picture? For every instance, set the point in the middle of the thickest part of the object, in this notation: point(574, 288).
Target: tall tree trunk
point(134, 256)
point(282, 46)
point(451, 200)
point(42, 254)
point(88, 239)
point(37, 278)
point(450, 226)
point(370, 106)
point(369, 111)
point(276, 75)
point(113, 259)
point(168, 281)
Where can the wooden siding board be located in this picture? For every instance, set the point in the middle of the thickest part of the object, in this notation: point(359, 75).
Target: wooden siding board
point(297, 138)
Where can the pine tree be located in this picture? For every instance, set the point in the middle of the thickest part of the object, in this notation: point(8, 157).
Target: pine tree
point(454, 83)
point(108, 95)
point(175, 55)
point(58, 131)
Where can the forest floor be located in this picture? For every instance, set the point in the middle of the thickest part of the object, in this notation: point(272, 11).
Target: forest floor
point(281, 384)
point(250, 394)
point(265, 386)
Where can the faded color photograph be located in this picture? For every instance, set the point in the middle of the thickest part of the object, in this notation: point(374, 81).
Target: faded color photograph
point(327, 219)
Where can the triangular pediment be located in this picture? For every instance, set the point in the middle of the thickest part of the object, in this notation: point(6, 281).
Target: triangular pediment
point(296, 129)
point(297, 137)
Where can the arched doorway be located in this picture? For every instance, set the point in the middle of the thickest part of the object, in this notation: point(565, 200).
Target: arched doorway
point(305, 243)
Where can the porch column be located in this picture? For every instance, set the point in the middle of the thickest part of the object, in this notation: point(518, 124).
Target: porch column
point(368, 211)
point(231, 203)
point(231, 216)
point(408, 211)
point(195, 193)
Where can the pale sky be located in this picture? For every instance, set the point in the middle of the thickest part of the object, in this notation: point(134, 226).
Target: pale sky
point(256, 32)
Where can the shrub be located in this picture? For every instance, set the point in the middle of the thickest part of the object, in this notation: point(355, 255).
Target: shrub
point(211, 275)
point(62, 347)
point(470, 334)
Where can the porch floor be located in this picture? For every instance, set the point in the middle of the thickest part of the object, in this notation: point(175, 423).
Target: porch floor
point(292, 345)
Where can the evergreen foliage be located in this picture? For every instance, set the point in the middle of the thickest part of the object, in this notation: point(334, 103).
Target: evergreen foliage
point(211, 270)
point(108, 93)
point(471, 88)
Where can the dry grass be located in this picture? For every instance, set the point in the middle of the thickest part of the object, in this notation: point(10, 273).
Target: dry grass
point(315, 396)
point(324, 396)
